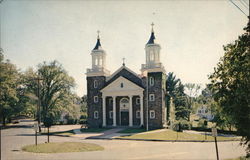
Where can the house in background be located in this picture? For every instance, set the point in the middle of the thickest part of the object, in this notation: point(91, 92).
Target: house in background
point(204, 112)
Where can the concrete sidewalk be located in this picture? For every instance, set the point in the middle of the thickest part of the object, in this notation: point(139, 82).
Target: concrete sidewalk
point(109, 134)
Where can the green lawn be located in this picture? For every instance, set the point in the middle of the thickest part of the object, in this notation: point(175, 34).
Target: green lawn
point(240, 158)
point(172, 135)
point(62, 147)
point(60, 133)
point(132, 130)
point(94, 130)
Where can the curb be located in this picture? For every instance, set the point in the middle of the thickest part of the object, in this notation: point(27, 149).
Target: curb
point(158, 140)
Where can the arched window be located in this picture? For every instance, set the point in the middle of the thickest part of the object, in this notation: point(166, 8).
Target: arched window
point(95, 83)
point(121, 85)
point(96, 115)
point(151, 81)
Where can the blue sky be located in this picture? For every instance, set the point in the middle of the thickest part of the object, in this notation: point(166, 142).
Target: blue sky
point(191, 34)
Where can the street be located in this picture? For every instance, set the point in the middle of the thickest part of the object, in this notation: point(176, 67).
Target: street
point(15, 138)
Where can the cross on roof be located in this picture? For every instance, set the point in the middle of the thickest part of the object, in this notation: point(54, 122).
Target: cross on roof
point(152, 24)
point(123, 61)
point(98, 32)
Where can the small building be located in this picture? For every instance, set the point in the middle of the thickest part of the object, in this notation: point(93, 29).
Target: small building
point(204, 112)
point(126, 98)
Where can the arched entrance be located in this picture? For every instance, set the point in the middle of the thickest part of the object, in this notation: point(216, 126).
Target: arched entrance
point(124, 112)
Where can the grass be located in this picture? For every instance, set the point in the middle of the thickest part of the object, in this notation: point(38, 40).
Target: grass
point(94, 130)
point(172, 135)
point(60, 133)
point(132, 130)
point(239, 158)
point(62, 147)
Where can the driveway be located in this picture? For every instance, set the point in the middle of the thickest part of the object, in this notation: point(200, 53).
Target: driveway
point(14, 138)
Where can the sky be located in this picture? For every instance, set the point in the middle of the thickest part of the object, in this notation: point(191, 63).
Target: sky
point(191, 34)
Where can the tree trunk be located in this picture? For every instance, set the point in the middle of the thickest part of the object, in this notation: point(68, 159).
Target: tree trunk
point(48, 134)
point(4, 123)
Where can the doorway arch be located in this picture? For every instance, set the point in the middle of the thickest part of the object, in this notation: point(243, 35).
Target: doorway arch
point(124, 112)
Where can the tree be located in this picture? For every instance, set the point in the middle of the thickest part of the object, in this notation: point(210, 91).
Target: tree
point(56, 86)
point(230, 84)
point(192, 91)
point(8, 95)
point(171, 83)
point(175, 90)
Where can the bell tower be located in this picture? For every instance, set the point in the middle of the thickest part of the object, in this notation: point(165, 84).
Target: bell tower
point(155, 78)
point(98, 60)
point(152, 49)
point(96, 78)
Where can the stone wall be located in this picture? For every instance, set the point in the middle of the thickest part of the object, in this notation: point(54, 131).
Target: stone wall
point(92, 106)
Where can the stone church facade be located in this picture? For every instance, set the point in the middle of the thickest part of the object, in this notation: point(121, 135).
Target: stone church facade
point(126, 98)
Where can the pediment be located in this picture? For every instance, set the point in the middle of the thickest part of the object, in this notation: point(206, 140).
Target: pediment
point(122, 85)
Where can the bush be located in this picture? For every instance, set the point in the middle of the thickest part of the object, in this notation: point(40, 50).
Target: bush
point(83, 117)
point(82, 121)
point(181, 125)
point(202, 123)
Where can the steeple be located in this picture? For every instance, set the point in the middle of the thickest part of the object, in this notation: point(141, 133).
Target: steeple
point(98, 60)
point(153, 63)
point(98, 43)
point(152, 36)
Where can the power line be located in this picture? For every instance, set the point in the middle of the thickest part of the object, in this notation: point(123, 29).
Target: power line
point(238, 8)
point(243, 4)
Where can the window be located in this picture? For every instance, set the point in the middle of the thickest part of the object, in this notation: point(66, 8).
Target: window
point(152, 114)
point(151, 81)
point(111, 114)
point(121, 85)
point(111, 101)
point(95, 99)
point(138, 114)
point(151, 97)
point(96, 115)
point(95, 83)
point(137, 100)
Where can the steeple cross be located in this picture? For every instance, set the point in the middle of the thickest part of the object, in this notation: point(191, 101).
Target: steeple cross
point(123, 61)
point(152, 24)
point(98, 32)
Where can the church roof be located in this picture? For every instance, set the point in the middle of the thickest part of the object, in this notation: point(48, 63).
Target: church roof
point(126, 73)
point(152, 38)
point(98, 44)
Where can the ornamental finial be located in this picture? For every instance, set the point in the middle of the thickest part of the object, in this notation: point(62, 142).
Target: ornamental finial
point(98, 34)
point(123, 61)
point(152, 24)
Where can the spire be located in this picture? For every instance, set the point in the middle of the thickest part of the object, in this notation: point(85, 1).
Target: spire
point(98, 43)
point(152, 37)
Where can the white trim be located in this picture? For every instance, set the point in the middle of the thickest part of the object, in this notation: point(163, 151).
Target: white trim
point(114, 89)
point(117, 71)
point(96, 99)
point(151, 97)
point(152, 114)
point(114, 111)
point(110, 101)
point(111, 115)
point(138, 114)
point(95, 83)
point(151, 81)
point(103, 110)
point(137, 100)
point(96, 115)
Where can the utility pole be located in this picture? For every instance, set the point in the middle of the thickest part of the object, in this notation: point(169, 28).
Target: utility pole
point(38, 79)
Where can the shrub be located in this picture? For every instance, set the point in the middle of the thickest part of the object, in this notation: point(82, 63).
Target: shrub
point(181, 125)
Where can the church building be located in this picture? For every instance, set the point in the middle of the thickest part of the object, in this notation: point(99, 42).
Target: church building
point(126, 98)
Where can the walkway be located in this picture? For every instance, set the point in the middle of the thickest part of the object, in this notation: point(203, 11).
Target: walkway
point(109, 134)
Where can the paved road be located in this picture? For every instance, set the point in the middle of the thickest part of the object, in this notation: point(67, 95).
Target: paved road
point(14, 138)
